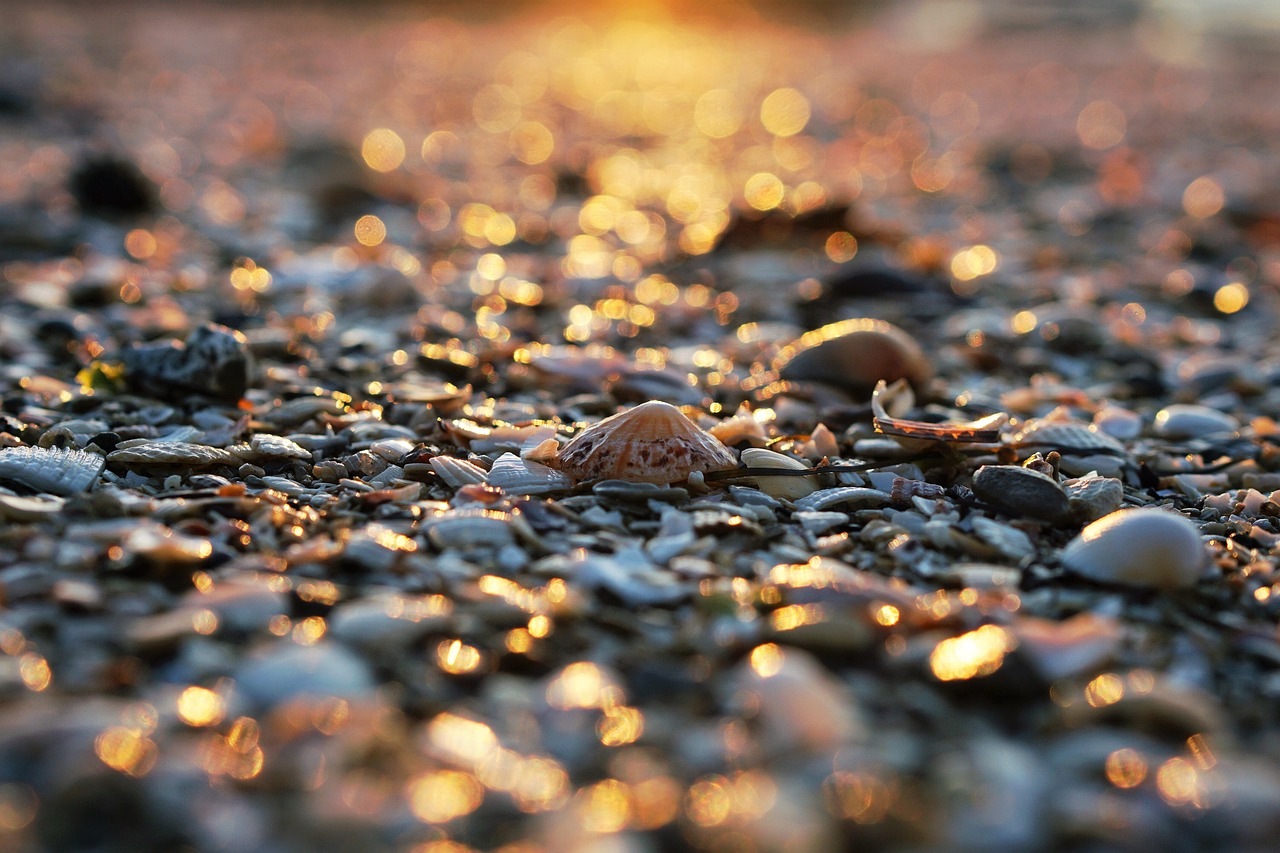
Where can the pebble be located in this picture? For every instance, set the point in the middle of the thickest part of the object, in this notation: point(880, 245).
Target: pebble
point(1188, 420)
point(1021, 492)
point(285, 671)
point(855, 355)
point(1140, 547)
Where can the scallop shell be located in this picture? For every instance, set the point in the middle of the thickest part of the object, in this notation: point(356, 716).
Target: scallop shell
point(457, 472)
point(1065, 436)
point(517, 476)
point(172, 453)
point(651, 443)
point(55, 471)
point(1139, 547)
point(849, 496)
point(855, 354)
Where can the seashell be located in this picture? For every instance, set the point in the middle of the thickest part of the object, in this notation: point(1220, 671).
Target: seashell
point(1076, 646)
point(801, 708)
point(1009, 541)
point(1139, 547)
point(652, 443)
point(1093, 497)
point(983, 430)
point(264, 445)
point(15, 508)
point(904, 490)
point(517, 476)
point(1117, 422)
point(392, 449)
point(172, 453)
point(855, 355)
point(52, 470)
point(301, 409)
point(214, 362)
point(289, 673)
point(458, 472)
point(788, 487)
point(1064, 436)
point(850, 496)
point(819, 522)
point(1184, 420)
point(639, 492)
point(470, 528)
point(1021, 491)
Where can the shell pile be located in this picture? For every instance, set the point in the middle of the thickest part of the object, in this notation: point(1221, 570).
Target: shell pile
point(627, 430)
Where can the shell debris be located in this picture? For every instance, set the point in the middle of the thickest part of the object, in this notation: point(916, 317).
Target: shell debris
point(650, 443)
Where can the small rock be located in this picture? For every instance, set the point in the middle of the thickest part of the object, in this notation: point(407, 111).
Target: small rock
point(1021, 492)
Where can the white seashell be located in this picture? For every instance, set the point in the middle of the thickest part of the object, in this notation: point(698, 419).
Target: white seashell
point(392, 449)
point(1093, 497)
point(855, 497)
point(651, 443)
point(1055, 434)
point(15, 508)
point(458, 472)
point(1139, 547)
point(1009, 541)
point(791, 487)
point(1118, 422)
point(820, 522)
point(171, 453)
point(470, 528)
point(1183, 420)
point(52, 470)
point(517, 476)
point(264, 445)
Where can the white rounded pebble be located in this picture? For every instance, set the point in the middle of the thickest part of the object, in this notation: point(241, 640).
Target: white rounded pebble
point(1139, 547)
point(1185, 420)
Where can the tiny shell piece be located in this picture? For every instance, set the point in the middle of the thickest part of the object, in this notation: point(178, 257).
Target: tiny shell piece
point(1184, 420)
point(651, 443)
point(55, 471)
point(1139, 547)
point(790, 487)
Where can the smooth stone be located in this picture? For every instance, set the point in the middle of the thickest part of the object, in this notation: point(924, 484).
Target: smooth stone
point(285, 671)
point(1139, 547)
point(1021, 491)
point(1188, 420)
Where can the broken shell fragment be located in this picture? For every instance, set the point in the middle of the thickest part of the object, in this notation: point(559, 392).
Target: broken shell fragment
point(854, 355)
point(651, 443)
point(1139, 547)
point(983, 431)
point(55, 471)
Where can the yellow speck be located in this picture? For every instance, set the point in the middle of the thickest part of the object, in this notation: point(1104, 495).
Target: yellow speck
point(841, 247)
point(1125, 768)
point(1202, 198)
point(35, 672)
point(785, 112)
point(140, 243)
point(977, 653)
point(204, 622)
point(1230, 298)
point(457, 658)
point(620, 725)
point(126, 750)
point(887, 615)
point(606, 806)
point(1106, 689)
point(764, 191)
point(383, 150)
point(766, 660)
point(370, 230)
point(444, 795)
point(199, 706)
point(1178, 781)
point(1023, 322)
